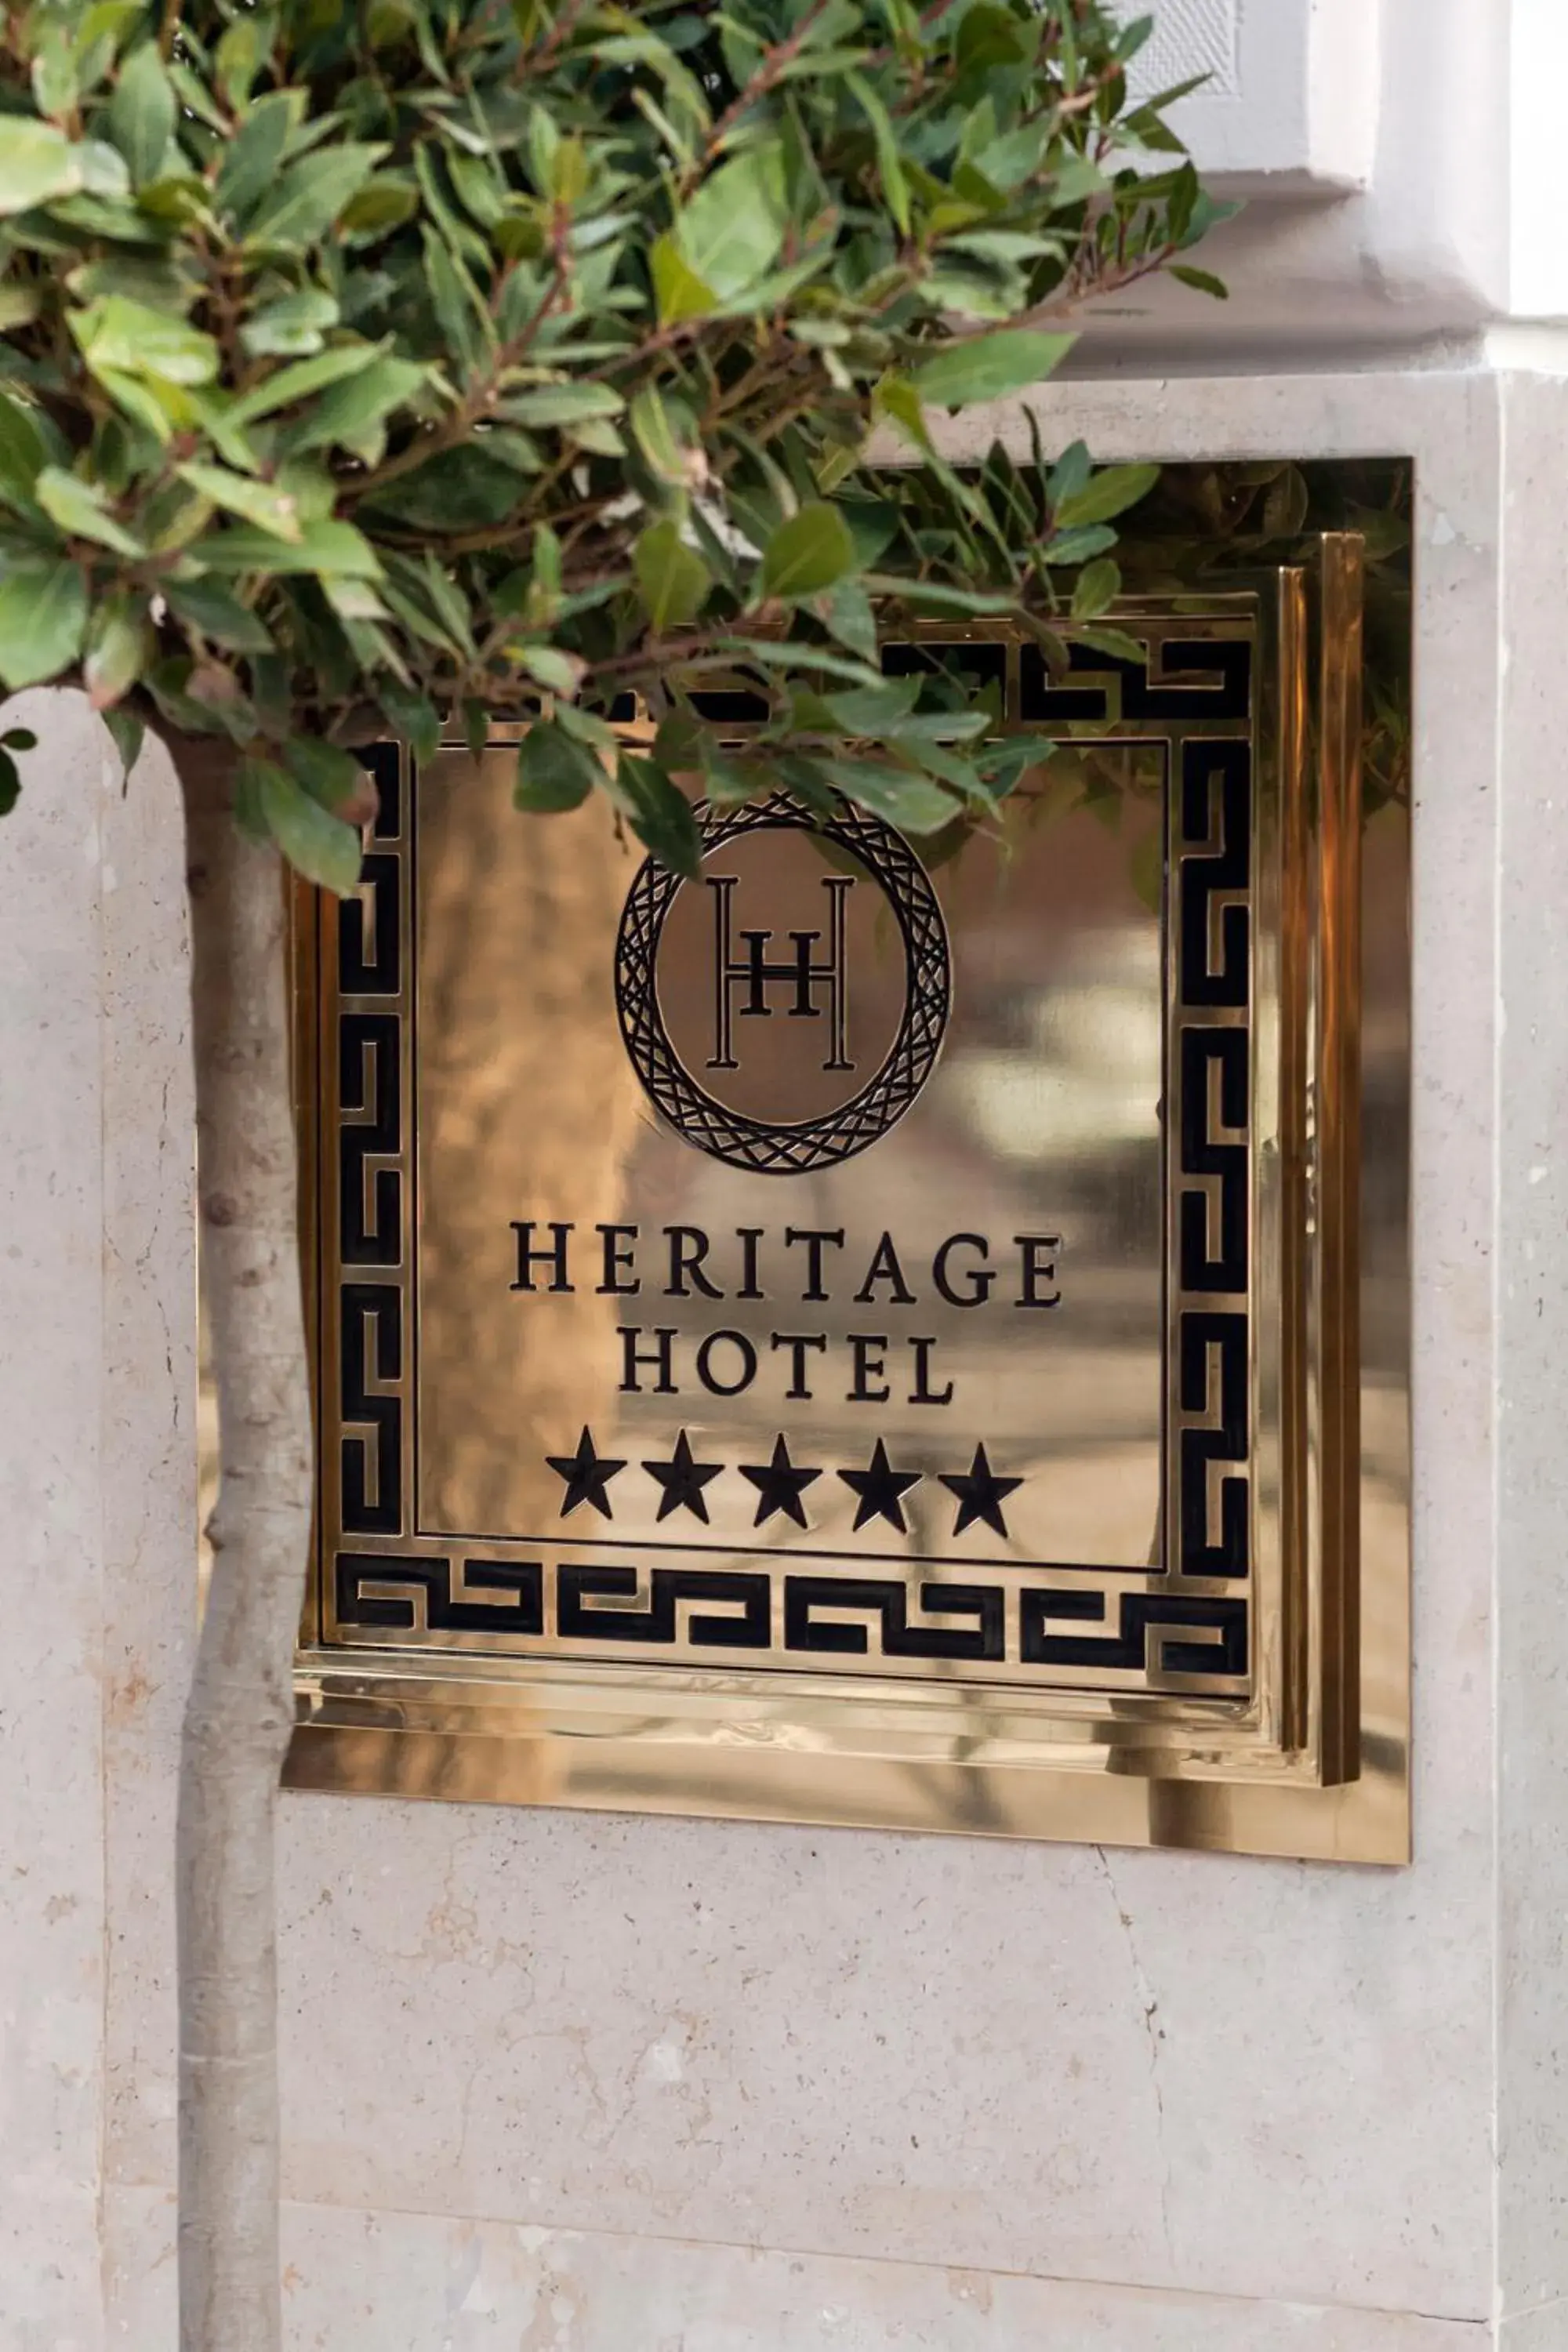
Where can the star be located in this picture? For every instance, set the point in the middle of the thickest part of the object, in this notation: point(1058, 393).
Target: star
point(879, 1489)
point(779, 1486)
point(980, 1495)
point(587, 1474)
point(682, 1480)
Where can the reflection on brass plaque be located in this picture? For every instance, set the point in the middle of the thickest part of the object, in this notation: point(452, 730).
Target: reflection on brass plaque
point(868, 1336)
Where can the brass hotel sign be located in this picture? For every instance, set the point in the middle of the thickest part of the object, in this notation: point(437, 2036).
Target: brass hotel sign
point(870, 1335)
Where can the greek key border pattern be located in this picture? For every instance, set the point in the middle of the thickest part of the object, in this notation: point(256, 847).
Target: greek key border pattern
point(381, 1586)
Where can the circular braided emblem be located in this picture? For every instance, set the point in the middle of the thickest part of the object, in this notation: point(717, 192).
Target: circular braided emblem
point(778, 974)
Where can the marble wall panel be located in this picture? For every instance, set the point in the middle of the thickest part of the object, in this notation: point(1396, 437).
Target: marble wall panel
point(357, 2280)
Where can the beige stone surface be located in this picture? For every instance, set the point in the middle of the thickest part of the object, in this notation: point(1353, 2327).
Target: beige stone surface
point(406, 2284)
point(96, 1467)
point(1532, 1312)
point(697, 2081)
point(1248, 2078)
point(51, 1496)
point(1544, 2329)
point(1158, 2069)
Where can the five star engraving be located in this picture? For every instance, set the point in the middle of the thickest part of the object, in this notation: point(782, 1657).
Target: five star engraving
point(587, 1476)
point(781, 1485)
point(981, 1494)
point(880, 1490)
point(683, 1480)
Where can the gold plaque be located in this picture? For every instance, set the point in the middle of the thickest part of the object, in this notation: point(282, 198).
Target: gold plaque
point(875, 1333)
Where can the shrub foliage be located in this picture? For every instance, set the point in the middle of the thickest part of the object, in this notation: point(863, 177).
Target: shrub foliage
point(382, 366)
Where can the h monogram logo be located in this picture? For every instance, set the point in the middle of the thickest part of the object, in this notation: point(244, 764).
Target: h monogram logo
point(752, 975)
point(803, 974)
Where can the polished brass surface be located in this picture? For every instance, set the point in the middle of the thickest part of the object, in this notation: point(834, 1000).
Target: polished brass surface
point(1113, 1230)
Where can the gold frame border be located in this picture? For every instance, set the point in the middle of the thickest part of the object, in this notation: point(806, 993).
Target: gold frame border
point(1331, 1782)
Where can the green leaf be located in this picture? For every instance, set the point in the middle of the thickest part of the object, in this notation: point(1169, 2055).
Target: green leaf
point(291, 329)
point(254, 157)
point(43, 620)
point(873, 710)
point(672, 578)
point(594, 433)
point(317, 844)
point(1079, 546)
point(1000, 765)
point(728, 781)
point(1133, 38)
point(1114, 642)
point(117, 336)
point(385, 203)
point(664, 449)
point(563, 403)
point(37, 163)
point(990, 34)
point(153, 410)
point(457, 310)
point(271, 510)
point(303, 204)
point(679, 292)
point(910, 802)
point(895, 188)
point(352, 409)
point(82, 510)
point(808, 553)
point(587, 727)
point(1006, 163)
point(332, 776)
point(792, 657)
point(463, 488)
point(846, 614)
point(22, 451)
point(1078, 177)
point(733, 228)
point(305, 376)
point(660, 813)
point(105, 178)
point(19, 306)
point(1070, 472)
point(936, 596)
point(411, 719)
point(1098, 586)
point(1110, 492)
point(335, 550)
point(556, 672)
point(545, 573)
point(55, 85)
point(127, 729)
point(989, 367)
point(210, 609)
point(555, 771)
point(143, 113)
point(119, 643)
point(896, 396)
point(1203, 280)
point(237, 58)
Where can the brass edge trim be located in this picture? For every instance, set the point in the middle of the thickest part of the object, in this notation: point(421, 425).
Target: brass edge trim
point(1301, 1710)
point(1337, 1095)
point(371, 1739)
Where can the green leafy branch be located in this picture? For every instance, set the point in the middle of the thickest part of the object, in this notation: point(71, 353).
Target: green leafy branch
point(427, 365)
